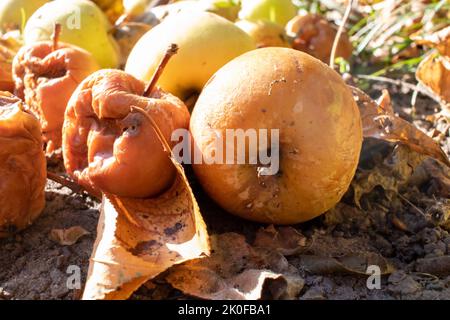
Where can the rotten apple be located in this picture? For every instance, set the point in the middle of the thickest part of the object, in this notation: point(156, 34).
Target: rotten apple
point(110, 142)
point(46, 74)
point(22, 166)
point(314, 35)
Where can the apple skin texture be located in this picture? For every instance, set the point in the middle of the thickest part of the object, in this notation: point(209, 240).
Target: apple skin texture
point(277, 11)
point(45, 79)
point(110, 149)
point(11, 12)
point(206, 42)
point(82, 24)
point(320, 135)
point(23, 168)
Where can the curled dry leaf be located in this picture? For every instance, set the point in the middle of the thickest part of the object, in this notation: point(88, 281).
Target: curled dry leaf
point(138, 239)
point(434, 71)
point(237, 270)
point(381, 123)
point(69, 236)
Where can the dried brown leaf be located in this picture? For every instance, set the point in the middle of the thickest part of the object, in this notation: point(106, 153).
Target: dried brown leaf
point(434, 73)
point(285, 240)
point(381, 123)
point(140, 238)
point(439, 266)
point(439, 40)
point(345, 265)
point(236, 270)
point(69, 236)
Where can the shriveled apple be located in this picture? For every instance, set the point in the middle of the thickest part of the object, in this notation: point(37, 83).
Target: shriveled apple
point(22, 166)
point(109, 146)
point(46, 74)
point(314, 35)
point(319, 129)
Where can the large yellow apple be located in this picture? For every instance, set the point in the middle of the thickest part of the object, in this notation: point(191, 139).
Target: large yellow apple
point(206, 42)
point(15, 13)
point(82, 24)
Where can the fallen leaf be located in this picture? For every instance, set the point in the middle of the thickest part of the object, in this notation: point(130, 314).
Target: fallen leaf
point(439, 266)
point(137, 239)
point(434, 73)
point(67, 237)
point(285, 240)
point(434, 70)
point(439, 40)
point(345, 265)
point(237, 270)
point(381, 123)
point(399, 171)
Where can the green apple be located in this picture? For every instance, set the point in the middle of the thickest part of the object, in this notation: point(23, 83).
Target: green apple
point(265, 33)
point(206, 42)
point(15, 13)
point(277, 11)
point(82, 24)
point(227, 9)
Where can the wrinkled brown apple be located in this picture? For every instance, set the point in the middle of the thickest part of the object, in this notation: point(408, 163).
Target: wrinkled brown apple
point(315, 35)
point(45, 77)
point(22, 166)
point(109, 147)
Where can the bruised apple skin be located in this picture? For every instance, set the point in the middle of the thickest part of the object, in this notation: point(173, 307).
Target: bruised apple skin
point(315, 35)
point(320, 135)
point(22, 166)
point(110, 149)
point(46, 78)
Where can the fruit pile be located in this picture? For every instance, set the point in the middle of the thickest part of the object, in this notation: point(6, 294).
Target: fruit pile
point(105, 86)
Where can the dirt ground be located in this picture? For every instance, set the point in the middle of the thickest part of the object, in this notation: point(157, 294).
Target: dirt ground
point(406, 224)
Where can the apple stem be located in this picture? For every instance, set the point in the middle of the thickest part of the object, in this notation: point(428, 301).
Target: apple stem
point(75, 187)
point(155, 126)
point(173, 48)
point(55, 36)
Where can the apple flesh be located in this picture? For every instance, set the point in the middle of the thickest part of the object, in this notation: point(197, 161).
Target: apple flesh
point(82, 24)
point(108, 148)
point(22, 166)
point(206, 42)
point(45, 78)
